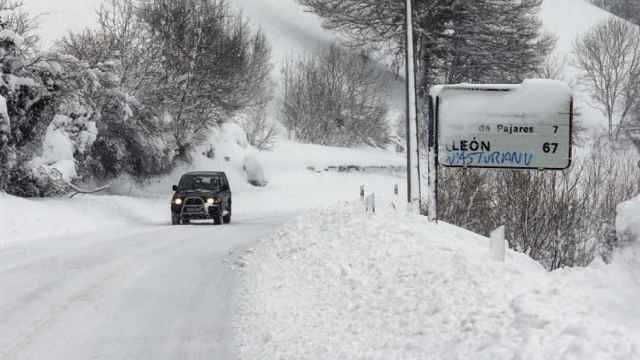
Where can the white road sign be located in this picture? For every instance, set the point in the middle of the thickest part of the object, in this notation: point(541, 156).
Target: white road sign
point(524, 126)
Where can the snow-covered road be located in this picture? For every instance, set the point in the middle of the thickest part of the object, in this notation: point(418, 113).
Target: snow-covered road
point(147, 292)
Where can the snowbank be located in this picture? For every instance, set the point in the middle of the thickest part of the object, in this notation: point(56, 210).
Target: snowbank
point(628, 219)
point(24, 220)
point(341, 284)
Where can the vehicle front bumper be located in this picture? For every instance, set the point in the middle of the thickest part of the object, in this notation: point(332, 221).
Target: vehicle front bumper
point(197, 212)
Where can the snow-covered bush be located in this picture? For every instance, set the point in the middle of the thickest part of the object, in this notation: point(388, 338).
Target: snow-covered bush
point(260, 129)
point(110, 131)
point(27, 107)
point(254, 172)
point(212, 65)
point(628, 221)
point(130, 141)
point(558, 218)
point(335, 98)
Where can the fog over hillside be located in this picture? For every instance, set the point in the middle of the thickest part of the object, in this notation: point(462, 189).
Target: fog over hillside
point(289, 28)
point(567, 19)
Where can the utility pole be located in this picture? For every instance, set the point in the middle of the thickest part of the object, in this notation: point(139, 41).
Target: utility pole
point(413, 176)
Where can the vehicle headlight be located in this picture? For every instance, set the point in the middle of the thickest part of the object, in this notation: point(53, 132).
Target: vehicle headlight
point(211, 201)
point(177, 201)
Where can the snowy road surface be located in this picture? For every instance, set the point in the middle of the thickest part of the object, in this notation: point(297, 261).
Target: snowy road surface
point(146, 292)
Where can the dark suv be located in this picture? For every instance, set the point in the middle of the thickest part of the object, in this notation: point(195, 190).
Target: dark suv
point(201, 195)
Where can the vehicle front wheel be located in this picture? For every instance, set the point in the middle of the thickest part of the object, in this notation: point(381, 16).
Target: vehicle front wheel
point(227, 218)
point(217, 219)
point(175, 219)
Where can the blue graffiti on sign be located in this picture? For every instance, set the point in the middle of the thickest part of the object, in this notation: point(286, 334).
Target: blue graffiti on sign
point(509, 158)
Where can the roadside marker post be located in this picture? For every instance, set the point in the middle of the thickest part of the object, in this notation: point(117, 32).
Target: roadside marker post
point(371, 203)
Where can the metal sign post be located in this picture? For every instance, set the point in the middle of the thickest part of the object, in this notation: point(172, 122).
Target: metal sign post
point(432, 211)
point(413, 182)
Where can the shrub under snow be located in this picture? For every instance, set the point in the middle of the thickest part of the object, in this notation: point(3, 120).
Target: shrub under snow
point(628, 221)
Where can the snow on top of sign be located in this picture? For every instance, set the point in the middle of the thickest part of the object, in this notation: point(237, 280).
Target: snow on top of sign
point(437, 89)
point(529, 85)
point(535, 96)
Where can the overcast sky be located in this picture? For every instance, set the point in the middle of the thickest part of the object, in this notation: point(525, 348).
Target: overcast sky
point(60, 16)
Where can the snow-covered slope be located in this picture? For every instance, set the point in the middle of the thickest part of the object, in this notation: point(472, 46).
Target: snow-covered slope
point(290, 30)
point(567, 20)
point(294, 32)
point(342, 284)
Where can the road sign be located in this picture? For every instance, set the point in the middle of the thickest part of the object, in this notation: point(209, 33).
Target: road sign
point(525, 126)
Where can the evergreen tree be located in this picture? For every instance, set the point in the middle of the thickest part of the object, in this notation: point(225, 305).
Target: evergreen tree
point(481, 40)
point(626, 9)
point(27, 107)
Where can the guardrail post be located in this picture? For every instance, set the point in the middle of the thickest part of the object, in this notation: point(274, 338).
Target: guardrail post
point(498, 244)
point(371, 203)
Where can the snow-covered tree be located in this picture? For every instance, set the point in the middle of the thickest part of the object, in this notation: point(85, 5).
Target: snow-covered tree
point(335, 98)
point(27, 107)
point(482, 40)
point(15, 19)
point(122, 35)
point(212, 66)
point(111, 131)
point(609, 59)
point(625, 9)
point(175, 70)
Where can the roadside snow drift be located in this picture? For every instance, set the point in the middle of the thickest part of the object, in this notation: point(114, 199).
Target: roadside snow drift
point(342, 284)
point(628, 220)
point(24, 220)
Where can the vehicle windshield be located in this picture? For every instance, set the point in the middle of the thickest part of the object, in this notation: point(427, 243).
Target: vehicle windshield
point(200, 182)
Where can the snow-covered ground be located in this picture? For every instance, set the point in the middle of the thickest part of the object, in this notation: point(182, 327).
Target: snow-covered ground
point(341, 284)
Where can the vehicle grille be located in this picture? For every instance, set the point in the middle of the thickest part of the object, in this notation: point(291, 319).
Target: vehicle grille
point(194, 201)
point(193, 206)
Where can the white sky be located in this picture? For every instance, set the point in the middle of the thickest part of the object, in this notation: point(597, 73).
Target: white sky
point(60, 16)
